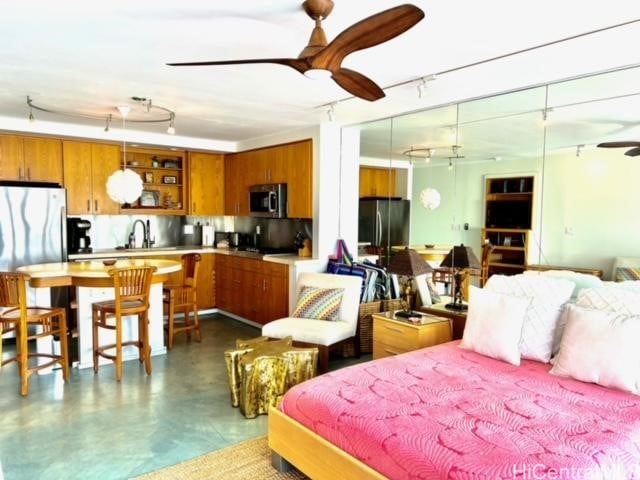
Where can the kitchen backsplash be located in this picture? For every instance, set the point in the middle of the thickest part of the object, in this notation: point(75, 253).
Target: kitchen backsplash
point(109, 231)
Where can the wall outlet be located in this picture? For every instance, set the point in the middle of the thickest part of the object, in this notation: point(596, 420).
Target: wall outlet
point(569, 231)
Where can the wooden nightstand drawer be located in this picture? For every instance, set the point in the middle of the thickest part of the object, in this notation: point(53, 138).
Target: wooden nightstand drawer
point(393, 336)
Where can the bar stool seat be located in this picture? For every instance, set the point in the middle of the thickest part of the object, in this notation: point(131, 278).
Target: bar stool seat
point(132, 286)
point(183, 298)
point(19, 317)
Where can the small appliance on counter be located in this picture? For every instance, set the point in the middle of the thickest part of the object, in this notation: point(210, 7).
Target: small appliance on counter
point(78, 235)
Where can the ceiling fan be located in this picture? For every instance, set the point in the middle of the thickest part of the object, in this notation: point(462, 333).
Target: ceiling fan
point(633, 152)
point(321, 59)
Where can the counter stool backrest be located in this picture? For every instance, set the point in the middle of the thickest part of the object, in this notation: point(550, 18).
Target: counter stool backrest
point(190, 262)
point(12, 289)
point(132, 284)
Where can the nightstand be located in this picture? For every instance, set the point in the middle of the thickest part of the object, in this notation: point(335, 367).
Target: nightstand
point(392, 335)
point(458, 317)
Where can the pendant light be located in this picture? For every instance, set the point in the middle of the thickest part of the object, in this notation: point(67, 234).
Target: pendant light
point(124, 186)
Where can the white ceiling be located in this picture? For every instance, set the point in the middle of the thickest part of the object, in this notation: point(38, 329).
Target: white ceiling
point(88, 57)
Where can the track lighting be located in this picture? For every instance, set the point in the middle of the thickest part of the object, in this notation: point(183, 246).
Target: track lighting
point(151, 114)
point(331, 112)
point(419, 152)
point(450, 167)
point(422, 84)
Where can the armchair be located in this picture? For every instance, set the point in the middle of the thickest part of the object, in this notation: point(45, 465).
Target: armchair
point(323, 333)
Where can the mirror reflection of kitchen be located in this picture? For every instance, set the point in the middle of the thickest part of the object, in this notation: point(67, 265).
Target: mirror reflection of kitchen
point(581, 194)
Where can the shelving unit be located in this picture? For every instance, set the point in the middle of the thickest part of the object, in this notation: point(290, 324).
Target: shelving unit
point(508, 215)
point(164, 174)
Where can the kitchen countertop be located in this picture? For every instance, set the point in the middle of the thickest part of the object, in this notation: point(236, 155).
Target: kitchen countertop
point(285, 258)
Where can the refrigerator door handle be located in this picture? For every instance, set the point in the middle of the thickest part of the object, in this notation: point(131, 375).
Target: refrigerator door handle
point(379, 227)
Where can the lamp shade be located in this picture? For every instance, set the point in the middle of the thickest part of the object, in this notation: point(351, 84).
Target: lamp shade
point(408, 263)
point(430, 198)
point(124, 186)
point(460, 257)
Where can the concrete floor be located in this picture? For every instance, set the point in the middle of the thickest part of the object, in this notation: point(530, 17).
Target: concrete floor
point(93, 427)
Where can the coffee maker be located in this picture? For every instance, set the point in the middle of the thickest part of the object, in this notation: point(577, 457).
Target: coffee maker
point(78, 235)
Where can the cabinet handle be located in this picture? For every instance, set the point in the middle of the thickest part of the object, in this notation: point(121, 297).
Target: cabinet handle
point(269, 174)
point(194, 207)
point(264, 284)
point(95, 205)
point(20, 173)
point(88, 205)
point(28, 173)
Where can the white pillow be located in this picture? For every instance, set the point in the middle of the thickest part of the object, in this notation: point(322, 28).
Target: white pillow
point(494, 324)
point(600, 347)
point(611, 299)
point(548, 295)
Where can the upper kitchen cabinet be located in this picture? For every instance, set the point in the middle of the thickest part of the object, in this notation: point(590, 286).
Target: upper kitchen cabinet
point(377, 182)
point(290, 163)
point(236, 184)
point(30, 159)
point(87, 167)
point(164, 175)
point(207, 184)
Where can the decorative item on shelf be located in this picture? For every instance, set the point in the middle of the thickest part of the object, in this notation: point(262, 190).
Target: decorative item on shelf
point(170, 164)
point(124, 186)
point(148, 177)
point(410, 264)
point(149, 198)
point(305, 251)
point(170, 203)
point(459, 259)
point(169, 179)
point(155, 163)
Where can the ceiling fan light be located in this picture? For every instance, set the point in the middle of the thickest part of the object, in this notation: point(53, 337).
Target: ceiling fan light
point(318, 74)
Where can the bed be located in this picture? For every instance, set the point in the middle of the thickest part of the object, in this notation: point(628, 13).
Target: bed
point(447, 412)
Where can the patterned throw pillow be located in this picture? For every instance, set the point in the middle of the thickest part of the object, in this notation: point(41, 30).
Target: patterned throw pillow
point(318, 303)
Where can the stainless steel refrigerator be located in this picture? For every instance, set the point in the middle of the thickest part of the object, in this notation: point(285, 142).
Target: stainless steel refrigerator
point(384, 223)
point(32, 226)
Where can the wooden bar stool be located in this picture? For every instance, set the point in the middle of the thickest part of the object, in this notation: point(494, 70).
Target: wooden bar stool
point(183, 298)
point(19, 317)
point(132, 286)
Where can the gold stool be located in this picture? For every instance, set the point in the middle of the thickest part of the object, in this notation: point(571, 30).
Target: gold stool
point(261, 371)
point(132, 286)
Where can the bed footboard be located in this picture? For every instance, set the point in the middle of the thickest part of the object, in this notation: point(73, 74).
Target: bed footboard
point(311, 454)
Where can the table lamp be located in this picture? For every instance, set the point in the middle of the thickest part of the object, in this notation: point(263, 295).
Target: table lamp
point(409, 264)
point(459, 259)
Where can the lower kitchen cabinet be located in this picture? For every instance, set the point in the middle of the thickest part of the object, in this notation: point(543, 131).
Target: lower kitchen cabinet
point(251, 288)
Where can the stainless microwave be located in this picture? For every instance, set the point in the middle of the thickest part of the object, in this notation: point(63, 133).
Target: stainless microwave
point(268, 200)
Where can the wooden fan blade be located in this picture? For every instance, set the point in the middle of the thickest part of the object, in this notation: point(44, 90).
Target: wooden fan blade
point(299, 64)
point(634, 152)
point(619, 144)
point(369, 32)
point(357, 84)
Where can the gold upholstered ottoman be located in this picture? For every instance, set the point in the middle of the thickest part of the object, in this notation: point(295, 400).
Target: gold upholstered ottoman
point(260, 371)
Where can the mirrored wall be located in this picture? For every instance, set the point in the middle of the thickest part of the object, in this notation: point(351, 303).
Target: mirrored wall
point(521, 169)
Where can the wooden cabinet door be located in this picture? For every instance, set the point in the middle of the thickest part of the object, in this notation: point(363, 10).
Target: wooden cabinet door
point(207, 182)
point(276, 297)
point(206, 288)
point(11, 158)
point(43, 159)
point(231, 184)
point(298, 159)
point(377, 182)
point(105, 161)
point(76, 160)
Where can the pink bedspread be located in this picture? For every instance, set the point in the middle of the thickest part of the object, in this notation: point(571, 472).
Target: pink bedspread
point(445, 412)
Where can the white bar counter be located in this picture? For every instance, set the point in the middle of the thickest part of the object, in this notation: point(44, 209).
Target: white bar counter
point(93, 284)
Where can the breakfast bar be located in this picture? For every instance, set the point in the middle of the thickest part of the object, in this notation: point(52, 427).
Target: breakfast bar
point(93, 284)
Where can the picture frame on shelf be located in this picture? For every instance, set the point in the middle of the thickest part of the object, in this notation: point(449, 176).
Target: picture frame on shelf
point(169, 179)
point(148, 177)
point(149, 198)
point(170, 164)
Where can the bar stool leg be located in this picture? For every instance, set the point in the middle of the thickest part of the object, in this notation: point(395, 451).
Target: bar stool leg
point(146, 348)
point(196, 322)
point(118, 347)
point(95, 317)
point(64, 346)
point(170, 320)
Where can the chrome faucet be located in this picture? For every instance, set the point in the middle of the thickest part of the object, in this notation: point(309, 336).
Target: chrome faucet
point(146, 233)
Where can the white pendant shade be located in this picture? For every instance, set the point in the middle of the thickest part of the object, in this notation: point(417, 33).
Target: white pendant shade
point(124, 186)
point(430, 198)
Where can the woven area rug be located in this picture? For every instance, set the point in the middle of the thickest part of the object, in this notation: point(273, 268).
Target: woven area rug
point(250, 459)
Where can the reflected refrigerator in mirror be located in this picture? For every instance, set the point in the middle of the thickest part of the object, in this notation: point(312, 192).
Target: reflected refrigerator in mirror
point(383, 223)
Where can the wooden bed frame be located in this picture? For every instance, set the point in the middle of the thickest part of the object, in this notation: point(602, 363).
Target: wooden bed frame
point(311, 454)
